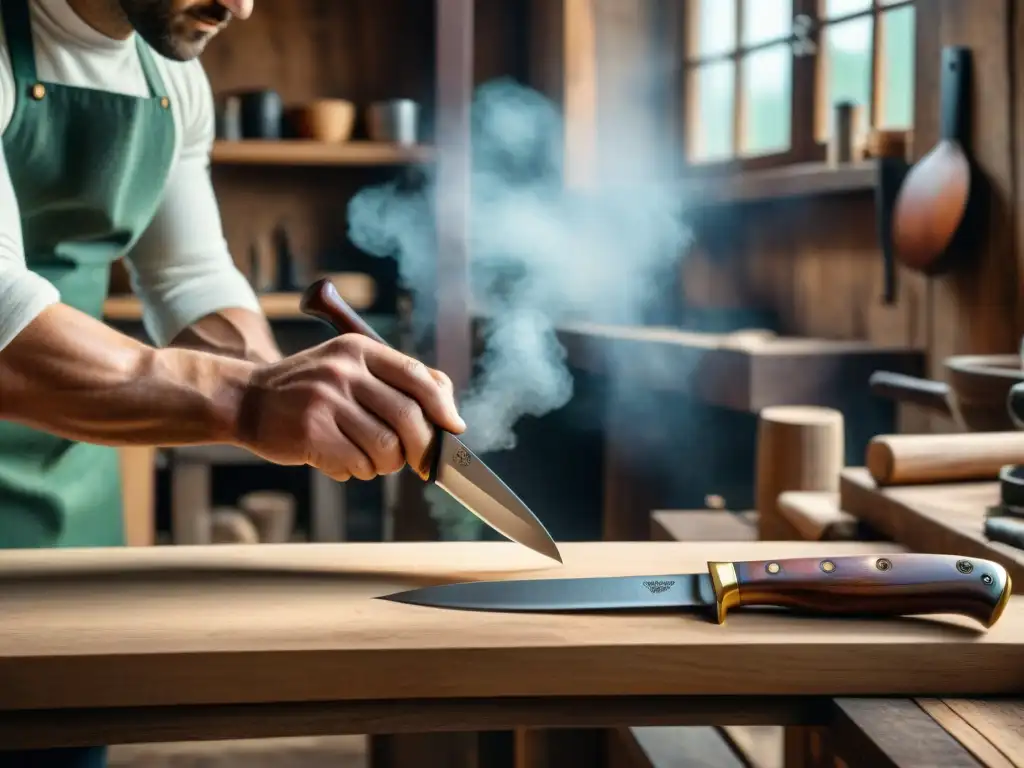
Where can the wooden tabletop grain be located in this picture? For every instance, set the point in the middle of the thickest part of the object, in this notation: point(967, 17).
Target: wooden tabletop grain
point(168, 626)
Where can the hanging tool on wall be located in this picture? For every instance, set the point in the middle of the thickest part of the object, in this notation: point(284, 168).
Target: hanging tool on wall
point(937, 215)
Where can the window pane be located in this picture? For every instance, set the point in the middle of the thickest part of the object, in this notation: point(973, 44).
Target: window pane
point(847, 66)
point(716, 27)
point(766, 20)
point(836, 8)
point(896, 87)
point(767, 98)
point(711, 121)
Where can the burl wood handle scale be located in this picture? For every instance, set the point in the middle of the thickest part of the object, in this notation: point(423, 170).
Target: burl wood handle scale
point(867, 585)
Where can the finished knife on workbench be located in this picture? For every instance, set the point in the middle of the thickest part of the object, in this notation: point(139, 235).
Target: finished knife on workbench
point(864, 585)
point(451, 465)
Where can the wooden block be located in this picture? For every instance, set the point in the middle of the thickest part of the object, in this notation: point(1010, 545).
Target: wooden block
point(817, 516)
point(798, 449)
point(702, 525)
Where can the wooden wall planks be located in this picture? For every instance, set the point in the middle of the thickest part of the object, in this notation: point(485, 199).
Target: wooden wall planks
point(363, 50)
point(816, 262)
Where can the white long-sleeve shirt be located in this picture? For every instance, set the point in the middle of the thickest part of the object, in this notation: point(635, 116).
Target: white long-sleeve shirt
point(181, 268)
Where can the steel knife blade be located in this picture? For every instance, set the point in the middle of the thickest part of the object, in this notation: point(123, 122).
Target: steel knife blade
point(869, 585)
point(449, 463)
point(459, 472)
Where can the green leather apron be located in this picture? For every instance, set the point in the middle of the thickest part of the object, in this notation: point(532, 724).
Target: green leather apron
point(88, 168)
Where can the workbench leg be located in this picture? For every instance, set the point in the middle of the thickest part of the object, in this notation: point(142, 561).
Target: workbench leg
point(190, 503)
point(560, 747)
point(892, 733)
point(327, 508)
point(489, 749)
point(808, 747)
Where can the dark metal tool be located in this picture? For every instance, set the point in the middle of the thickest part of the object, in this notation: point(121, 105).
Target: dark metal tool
point(449, 463)
point(870, 585)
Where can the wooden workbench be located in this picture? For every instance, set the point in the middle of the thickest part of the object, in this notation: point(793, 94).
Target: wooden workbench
point(157, 644)
point(943, 517)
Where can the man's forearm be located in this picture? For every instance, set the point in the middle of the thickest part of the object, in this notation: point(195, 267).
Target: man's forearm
point(237, 333)
point(71, 375)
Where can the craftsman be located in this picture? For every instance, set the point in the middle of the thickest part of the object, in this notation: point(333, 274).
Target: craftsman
point(107, 126)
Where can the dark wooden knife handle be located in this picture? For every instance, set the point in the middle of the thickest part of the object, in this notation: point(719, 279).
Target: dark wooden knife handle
point(322, 300)
point(870, 585)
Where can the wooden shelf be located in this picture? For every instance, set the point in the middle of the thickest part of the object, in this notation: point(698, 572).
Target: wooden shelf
point(744, 371)
point(802, 180)
point(316, 153)
point(357, 289)
point(276, 306)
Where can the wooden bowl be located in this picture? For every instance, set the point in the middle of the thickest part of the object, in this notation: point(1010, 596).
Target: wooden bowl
point(980, 386)
point(327, 120)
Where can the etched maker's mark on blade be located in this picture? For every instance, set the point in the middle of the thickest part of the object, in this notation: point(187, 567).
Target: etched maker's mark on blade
point(657, 587)
point(462, 457)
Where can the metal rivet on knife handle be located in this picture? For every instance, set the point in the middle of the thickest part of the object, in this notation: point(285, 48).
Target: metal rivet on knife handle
point(882, 564)
point(773, 567)
point(828, 566)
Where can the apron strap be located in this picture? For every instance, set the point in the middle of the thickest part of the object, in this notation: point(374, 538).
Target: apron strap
point(153, 79)
point(18, 29)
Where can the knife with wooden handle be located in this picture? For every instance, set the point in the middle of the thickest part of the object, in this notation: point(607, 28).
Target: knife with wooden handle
point(864, 585)
point(449, 464)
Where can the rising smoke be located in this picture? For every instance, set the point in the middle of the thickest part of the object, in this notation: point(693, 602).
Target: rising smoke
point(542, 254)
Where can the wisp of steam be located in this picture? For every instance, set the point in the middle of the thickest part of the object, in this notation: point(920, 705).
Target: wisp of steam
point(542, 254)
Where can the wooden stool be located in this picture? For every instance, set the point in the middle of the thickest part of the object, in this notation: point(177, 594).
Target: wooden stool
point(191, 469)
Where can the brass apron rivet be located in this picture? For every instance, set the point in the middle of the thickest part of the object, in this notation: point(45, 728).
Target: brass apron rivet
point(773, 568)
point(165, 102)
point(828, 566)
point(38, 91)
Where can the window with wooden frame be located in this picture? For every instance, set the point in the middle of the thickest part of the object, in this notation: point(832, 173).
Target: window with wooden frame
point(761, 77)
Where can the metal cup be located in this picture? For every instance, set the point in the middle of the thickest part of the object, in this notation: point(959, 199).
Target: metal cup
point(395, 121)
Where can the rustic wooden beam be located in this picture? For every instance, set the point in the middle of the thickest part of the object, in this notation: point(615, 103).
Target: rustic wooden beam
point(454, 40)
point(893, 733)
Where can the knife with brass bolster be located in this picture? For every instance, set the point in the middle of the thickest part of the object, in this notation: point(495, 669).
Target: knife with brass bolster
point(864, 585)
point(448, 463)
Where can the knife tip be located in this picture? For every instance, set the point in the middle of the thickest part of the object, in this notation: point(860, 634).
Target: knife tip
point(551, 550)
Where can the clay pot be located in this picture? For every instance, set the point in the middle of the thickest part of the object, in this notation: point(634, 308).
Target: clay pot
point(327, 120)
